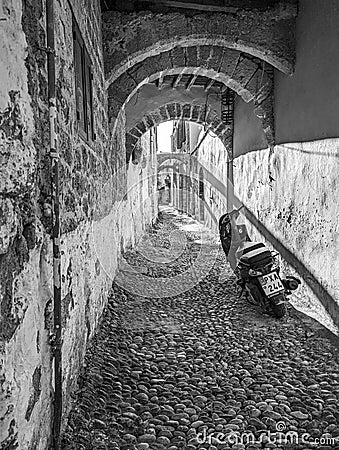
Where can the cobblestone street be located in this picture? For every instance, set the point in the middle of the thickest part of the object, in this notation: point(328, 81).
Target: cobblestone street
point(171, 372)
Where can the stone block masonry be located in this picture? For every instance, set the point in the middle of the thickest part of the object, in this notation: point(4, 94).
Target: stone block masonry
point(96, 203)
point(244, 74)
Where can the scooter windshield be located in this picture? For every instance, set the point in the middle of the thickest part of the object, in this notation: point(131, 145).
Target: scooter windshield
point(239, 230)
point(238, 237)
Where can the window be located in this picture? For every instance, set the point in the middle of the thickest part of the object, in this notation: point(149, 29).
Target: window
point(83, 86)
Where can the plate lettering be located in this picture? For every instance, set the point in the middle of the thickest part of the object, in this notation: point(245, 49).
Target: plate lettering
point(271, 283)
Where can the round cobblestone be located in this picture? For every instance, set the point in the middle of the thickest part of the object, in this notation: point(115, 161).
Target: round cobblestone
point(161, 372)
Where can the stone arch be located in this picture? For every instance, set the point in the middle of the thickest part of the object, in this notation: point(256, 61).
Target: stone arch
point(173, 111)
point(150, 98)
point(249, 77)
point(173, 160)
point(129, 39)
point(165, 167)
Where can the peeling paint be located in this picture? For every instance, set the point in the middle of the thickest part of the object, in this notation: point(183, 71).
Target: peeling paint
point(94, 218)
point(8, 224)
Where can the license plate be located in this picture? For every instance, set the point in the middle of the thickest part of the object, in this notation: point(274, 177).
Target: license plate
point(271, 284)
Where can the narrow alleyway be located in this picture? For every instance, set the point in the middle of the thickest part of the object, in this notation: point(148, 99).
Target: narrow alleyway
point(162, 370)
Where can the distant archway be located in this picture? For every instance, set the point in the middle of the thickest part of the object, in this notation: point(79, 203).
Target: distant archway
point(191, 112)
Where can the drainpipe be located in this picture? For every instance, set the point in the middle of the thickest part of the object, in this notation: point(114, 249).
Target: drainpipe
point(230, 177)
point(54, 155)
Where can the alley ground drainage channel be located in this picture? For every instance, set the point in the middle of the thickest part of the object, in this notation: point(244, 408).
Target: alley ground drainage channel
point(202, 369)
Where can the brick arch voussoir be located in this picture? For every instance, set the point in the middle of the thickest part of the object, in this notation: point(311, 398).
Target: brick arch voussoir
point(175, 111)
point(228, 66)
point(130, 38)
point(166, 167)
point(257, 85)
point(174, 159)
point(248, 77)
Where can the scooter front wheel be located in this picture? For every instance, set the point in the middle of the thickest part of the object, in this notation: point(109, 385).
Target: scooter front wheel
point(278, 306)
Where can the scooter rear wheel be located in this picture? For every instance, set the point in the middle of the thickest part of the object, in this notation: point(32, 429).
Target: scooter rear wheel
point(278, 306)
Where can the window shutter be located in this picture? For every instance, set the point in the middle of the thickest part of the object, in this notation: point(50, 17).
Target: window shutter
point(79, 80)
point(83, 86)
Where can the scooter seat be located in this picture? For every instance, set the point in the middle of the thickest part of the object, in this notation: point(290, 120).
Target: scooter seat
point(256, 256)
point(249, 246)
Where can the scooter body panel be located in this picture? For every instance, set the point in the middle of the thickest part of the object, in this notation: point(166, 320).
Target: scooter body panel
point(257, 267)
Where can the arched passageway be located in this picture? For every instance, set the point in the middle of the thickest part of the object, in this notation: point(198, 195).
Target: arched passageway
point(251, 80)
point(198, 48)
point(79, 150)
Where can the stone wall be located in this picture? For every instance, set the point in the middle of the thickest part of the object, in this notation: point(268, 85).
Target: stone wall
point(23, 349)
point(97, 201)
point(292, 194)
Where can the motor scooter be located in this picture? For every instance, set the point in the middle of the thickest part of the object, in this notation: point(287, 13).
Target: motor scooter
point(256, 267)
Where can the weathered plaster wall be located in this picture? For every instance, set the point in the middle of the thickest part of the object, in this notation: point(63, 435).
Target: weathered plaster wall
point(306, 103)
point(96, 210)
point(142, 188)
point(293, 192)
point(212, 157)
point(21, 238)
point(91, 256)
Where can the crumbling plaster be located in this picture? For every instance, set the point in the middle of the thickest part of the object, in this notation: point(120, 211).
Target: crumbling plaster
point(95, 214)
point(17, 153)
